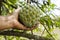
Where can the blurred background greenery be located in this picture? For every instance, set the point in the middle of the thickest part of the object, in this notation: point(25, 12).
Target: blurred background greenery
point(49, 26)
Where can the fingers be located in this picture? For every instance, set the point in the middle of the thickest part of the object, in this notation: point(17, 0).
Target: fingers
point(35, 26)
point(20, 26)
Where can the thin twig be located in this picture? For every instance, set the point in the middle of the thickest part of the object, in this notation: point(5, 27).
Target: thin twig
point(48, 32)
point(43, 32)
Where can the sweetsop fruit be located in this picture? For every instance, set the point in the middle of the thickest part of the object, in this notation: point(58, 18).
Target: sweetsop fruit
point(29, 14)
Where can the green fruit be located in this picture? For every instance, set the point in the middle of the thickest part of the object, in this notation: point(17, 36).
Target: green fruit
point(29, 14)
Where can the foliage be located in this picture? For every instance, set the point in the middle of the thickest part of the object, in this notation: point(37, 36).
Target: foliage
point(47, 19)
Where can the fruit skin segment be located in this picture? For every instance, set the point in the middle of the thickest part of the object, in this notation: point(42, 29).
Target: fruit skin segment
point(29, 14)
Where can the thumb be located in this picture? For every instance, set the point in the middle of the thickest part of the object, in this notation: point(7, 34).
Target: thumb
point(18, 9)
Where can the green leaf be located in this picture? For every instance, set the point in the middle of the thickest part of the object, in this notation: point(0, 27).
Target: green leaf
point(11, 1)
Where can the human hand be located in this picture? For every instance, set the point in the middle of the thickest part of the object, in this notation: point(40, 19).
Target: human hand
point(20, 26)
point(17, 24)
point(12, 22)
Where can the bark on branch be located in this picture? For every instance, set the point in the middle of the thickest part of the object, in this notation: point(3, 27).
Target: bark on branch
point(26, 35)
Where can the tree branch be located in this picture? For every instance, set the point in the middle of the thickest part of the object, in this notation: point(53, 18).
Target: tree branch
point(21, 34)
